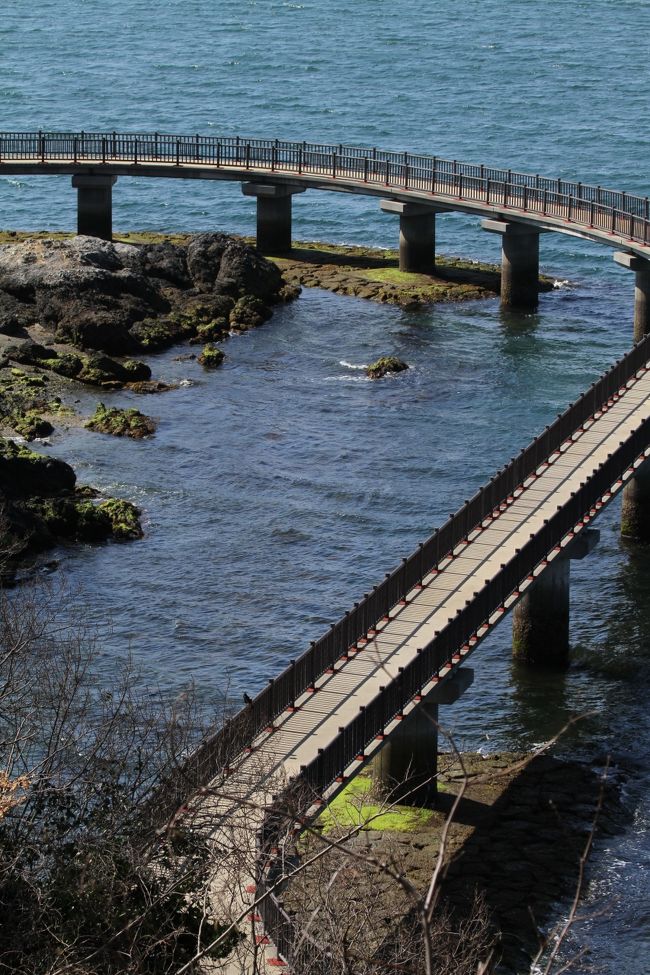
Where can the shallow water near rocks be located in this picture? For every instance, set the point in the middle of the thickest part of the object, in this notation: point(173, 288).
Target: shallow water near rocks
point(279, 488)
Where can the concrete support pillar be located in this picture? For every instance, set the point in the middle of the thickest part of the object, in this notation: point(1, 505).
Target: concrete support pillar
point(417, 235)
point(95, 205)
point(641, 268)
point(519, 264)
point(407, 764)
point(540, 620)
point(635, 515)
point(273, 214)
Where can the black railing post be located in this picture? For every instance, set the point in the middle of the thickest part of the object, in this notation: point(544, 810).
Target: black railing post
point(41, 146)
point(74, 149)
point(103, 149)
point(135, 152)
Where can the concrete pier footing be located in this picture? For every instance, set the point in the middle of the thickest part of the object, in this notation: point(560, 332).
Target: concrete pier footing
point(417, 235)
point(273, 214)
point(635, 513)
point(540, 620)
point(95, 205)
point(407, 764)
point(641, 268)
point(519, 263)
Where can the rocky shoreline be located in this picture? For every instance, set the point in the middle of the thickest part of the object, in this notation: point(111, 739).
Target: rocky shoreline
point(80, 311)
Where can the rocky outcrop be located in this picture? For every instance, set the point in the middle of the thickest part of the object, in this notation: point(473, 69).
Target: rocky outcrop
point(41, 506)
point(121, 423)
point(122, 299)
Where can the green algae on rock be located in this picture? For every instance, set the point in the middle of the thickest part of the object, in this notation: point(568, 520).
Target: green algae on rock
point(124, 518)
point(121, 422)
point(31, 425)
point(211, 357)
point(384, 366)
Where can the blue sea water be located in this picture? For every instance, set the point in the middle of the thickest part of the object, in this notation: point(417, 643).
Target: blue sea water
point(279, 489)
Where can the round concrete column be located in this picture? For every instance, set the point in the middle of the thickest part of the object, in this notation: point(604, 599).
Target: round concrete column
point(407, 764)
point(540, 620)
point(635, 515)
point(417, 235)
point(95, 205)
point(641, 268)
point(519, 264)
point(273, 215)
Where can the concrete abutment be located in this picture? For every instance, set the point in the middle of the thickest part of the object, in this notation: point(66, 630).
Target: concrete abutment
point(94, 205)
point(519, 263)
point(407, 764)
point(540, 620)
point(274, 213)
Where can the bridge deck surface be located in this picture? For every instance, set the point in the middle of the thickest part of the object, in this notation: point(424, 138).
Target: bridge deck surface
point(299, 734)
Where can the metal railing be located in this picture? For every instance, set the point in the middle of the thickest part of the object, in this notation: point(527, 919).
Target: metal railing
point(589, 207)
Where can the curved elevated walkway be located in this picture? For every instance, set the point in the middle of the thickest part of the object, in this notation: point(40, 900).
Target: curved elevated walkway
point(519, 206)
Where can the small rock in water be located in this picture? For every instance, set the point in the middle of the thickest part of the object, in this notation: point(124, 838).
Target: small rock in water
point(385, 365)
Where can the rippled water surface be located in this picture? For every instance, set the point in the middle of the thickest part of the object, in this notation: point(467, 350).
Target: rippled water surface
point(278, 489)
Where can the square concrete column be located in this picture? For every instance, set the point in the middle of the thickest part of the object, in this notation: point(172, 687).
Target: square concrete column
point(641, 268)
point(519, 263)
point(417, 235)
point(407, 764)
point(95, 205)
point(273, 214)
point(540, 620)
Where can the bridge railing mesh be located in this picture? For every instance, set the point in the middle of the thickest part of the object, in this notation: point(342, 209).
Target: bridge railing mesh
point(591, 207)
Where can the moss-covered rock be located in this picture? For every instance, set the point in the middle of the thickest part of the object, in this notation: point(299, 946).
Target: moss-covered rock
point(68, 364)
point(384, 366)
point(211, 357)
point(31, 425)
point(76, 516)
point(24, 473)
point(124, 518)
point(211, 331)
point(121, 422)
point(155, 334)
point(249, 312)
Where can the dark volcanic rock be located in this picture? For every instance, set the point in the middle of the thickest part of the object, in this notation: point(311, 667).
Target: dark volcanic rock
point(125, 298)
point(24, 473)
